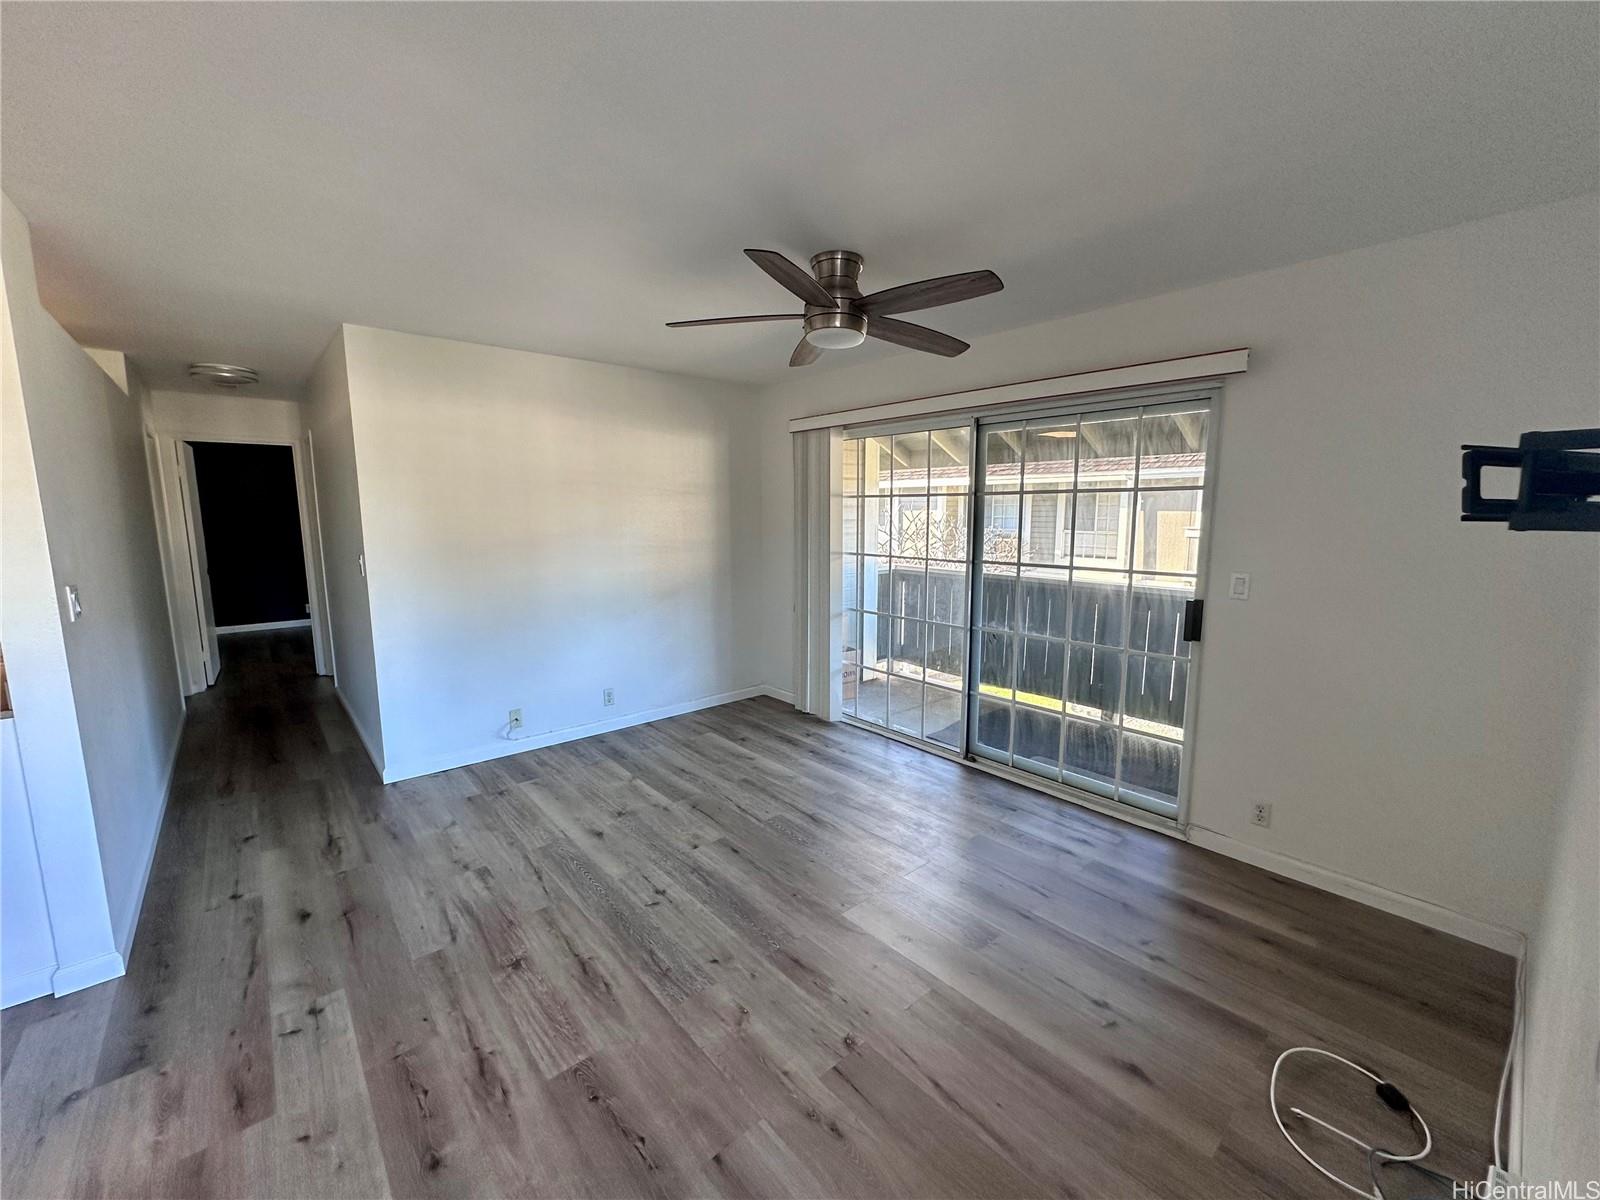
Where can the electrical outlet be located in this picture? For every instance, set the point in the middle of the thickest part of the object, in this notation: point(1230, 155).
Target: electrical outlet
point(1261, 814)
point(515, 719)
point(608, 697)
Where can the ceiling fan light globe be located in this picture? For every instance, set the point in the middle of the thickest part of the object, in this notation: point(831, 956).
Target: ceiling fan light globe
point(835, 328)
point(833, 338)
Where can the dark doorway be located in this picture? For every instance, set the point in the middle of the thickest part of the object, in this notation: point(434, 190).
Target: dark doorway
point(250, 514)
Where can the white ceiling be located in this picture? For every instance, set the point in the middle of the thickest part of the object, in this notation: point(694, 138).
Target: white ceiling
point(230, 181)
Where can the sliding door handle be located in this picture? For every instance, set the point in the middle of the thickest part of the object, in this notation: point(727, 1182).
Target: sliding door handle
point(1193, 618)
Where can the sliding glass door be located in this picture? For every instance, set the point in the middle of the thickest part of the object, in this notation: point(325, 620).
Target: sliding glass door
point(907, 512)
point(1019, 589)
point(1090, 552)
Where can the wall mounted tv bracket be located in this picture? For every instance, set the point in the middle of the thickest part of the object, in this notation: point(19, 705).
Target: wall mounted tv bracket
point(1560, 487)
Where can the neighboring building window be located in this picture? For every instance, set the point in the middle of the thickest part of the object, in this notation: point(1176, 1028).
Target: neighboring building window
point(1097, 522)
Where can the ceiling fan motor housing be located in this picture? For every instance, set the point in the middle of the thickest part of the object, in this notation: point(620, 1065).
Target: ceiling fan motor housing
point(838, 272)
point(842, 327)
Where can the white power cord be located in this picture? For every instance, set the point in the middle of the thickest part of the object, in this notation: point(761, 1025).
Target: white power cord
point(1512, 1050)
point(1373, 1152)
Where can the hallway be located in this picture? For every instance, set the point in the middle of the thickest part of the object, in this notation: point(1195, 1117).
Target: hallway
point(733, 953)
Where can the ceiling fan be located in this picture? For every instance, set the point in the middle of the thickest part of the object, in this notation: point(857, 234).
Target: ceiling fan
point(838, 317)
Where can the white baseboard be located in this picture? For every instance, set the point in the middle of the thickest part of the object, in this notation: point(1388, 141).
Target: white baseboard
point(74, 977)
point(124, 937)
point(21, 986)
point(1412, 908)
point(264, 626)
point(361, 732)
point(505, 747)
point(776, 693)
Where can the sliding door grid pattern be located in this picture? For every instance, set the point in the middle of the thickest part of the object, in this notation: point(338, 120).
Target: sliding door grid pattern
point(1088, 548)
point(905, 530)
point(736, 953)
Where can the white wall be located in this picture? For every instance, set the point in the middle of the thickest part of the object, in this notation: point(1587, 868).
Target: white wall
point(199, 415)
point(1400, 686)
point(1561, 1073)
point(84, 438)
point(328, 416)
point(538, 529)
point(46, 722)
point(113, 362)
point(27, 951)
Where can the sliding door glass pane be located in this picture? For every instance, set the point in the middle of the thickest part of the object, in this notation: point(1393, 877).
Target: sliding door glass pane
point(947, 655)
point(947, 592)
point(950, 461)
point(1037, 745)
point(1046, 535)
point(872, 699)
point(1002, 460)
point(1089, 757)
point(1155, 615)
point(909, 531)
point(906, 648)
point(1166, 536)
point(948, 524)
point(1045, 596)
point(1001, 526)
point(1094, 682)
point(942, 717)
point(1099, 603)
point(998, 603)
point(875, 515)
point(1109, 442)
point(905, 705)
point(1149, 772)
point(992, 734)
point(875, 469)
point(1041, 672)
point(1091, 528)
point(875, 592)
point(913, 535)
point(996, 663)
point(1173, 447)
point(1156, 692)
point(1101, 528)
point(874, 641)
point(1051, 452)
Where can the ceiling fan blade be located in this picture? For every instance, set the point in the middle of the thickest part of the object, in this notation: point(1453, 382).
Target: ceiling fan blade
point(798, 281)
point(804, 354)
point(930, 293)
point(917, 337)
point(737, 320)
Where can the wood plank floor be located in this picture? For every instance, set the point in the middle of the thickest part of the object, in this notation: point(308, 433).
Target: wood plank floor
point(736, 953)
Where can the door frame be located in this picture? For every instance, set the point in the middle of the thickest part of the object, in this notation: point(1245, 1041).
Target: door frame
point(1213, 392)
point(199, 563)
point(183, 586)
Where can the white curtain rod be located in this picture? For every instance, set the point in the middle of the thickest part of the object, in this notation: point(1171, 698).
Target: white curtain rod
point(1167, 370)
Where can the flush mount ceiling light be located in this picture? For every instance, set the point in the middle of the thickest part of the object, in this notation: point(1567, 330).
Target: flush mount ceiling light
point(222, 375)
point(839, 317)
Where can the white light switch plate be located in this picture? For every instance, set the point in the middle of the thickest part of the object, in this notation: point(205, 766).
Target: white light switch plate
point(1239, 586)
